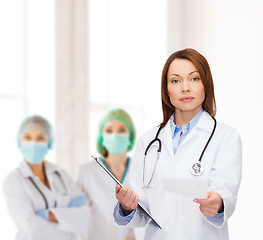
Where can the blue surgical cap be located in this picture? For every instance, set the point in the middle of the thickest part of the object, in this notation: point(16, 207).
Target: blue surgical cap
point(39, 123)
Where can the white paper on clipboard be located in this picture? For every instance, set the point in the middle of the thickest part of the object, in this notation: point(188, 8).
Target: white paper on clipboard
point(194, 188)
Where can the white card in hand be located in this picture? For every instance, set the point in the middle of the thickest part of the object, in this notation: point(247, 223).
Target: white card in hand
point(195, 188)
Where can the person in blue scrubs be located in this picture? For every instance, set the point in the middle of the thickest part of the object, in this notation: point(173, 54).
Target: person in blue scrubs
point(115, 139)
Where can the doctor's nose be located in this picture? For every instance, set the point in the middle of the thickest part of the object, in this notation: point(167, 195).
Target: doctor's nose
point(185, 86)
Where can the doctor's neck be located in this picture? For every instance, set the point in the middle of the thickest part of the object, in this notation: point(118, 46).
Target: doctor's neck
point(117, 161)
point(37, 169)
point(184, 117)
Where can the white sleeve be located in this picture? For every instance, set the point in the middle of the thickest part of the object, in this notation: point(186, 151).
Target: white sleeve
point(72, 219)
point(21, 210)
point(226, 175)
point(139, 219)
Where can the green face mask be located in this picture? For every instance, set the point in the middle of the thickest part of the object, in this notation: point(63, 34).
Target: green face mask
point(116, 143)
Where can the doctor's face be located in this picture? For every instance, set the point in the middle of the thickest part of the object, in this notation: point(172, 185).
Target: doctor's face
point(35, 136)
point(184, 85)
point(116, 137)
point(115, 126)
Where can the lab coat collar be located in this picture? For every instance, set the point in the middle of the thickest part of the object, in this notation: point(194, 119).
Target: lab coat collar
point(25, 169)
point(205, 123)
point(27, 172)
point(50, 168)
point(166, 138)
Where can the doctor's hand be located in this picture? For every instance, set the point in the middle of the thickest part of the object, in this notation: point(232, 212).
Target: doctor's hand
point(127, 198)
point(47, 215)
point(43, 214)
point(78, 201)
point(52, 217)
point(212, 205)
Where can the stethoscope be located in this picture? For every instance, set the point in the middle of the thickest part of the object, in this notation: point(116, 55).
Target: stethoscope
point(43, 195)
point(196, 169)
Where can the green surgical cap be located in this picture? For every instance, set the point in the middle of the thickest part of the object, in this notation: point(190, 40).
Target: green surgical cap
point(38, 123)
point(124, 117)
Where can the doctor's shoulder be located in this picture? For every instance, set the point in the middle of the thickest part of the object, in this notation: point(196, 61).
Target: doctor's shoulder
point(12, 182)
point(227, 138)
point(226, 131)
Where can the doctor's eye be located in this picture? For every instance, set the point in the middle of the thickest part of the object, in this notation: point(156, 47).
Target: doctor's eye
point(41, 138)
point(122, 130)
point(108, 130)
point(26, 137)
point(175, 81)
point(195, 79)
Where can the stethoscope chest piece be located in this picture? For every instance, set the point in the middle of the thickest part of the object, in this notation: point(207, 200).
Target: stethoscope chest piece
point(197, 169)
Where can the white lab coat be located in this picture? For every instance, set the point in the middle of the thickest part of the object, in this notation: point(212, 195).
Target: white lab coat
point(23, 200)
point(178, 215)
point(100, 189)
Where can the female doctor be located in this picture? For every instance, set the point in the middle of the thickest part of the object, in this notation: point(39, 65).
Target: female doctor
point(41, 197)
point(188, 125)
point(116, 136)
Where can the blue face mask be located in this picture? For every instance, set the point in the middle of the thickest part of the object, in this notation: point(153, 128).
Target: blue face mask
point(116, 143)
point(34, 152)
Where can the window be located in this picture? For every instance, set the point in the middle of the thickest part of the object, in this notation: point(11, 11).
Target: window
point(127, 51)
point(26, 79)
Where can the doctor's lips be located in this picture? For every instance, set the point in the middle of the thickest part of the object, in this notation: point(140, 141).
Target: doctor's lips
point(186, 99)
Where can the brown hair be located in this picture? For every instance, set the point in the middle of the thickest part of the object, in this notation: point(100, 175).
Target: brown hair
point(202, 66)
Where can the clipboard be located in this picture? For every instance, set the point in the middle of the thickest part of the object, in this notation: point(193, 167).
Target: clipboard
point(118, 182)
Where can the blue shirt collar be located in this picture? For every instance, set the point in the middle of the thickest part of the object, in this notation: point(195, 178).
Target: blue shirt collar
point(186, 127)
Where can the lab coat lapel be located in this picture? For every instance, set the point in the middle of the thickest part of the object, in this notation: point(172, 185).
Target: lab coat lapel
point(50, 170)
point(190, 136)
point(156, 194)
point(25, 170)
point(103, 176)
point(166, 139)
point(205, 123)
